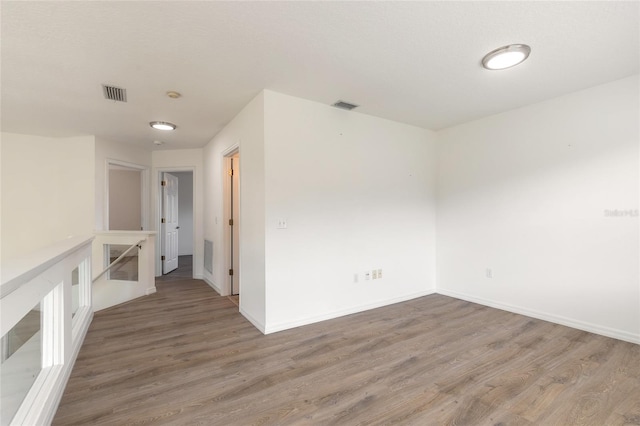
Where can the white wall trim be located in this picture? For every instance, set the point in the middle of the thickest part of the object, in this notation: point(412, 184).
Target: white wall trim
point(230, 151)
point(212, 285)
point(556, 319)
point(226, 211)
point(53, 383)
point(336, 314)
point(158, 174)
point(144, 189)
point(257, 324)
point(54, 400)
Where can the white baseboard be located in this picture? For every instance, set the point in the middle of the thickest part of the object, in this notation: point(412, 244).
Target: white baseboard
point(212, 285)
point(335, 314)
point(557, 319)
point(151, 290)
point(198, 277)
point(257, 324)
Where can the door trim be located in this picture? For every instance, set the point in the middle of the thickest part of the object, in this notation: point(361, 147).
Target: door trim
point(144, 190)
point(170, 199)
point(226, 211)
point(158, 216)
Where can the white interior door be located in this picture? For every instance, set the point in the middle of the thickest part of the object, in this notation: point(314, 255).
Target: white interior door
point(170, 225)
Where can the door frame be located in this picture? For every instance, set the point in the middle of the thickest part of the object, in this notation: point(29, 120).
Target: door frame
point(171, 199)
point(226, 211)
point(144, 191)
point(159, 171)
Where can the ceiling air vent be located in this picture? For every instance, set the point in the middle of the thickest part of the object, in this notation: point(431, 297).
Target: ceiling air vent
point(345, 105)
point(114, 93)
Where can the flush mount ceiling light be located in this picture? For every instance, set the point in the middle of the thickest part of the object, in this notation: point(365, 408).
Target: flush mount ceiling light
point(162, 125)
point(506, 57)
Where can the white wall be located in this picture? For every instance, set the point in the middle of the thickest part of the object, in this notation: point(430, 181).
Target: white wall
point(125, 197)
point(185, 212)
point(358, 193)
point(525, 194)
point(180, 160)
point(104, 152)
point(47, 191)
point(246, 130)
point(1, 137)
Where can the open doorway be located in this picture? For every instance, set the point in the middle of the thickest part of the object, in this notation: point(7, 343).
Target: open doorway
point(127, 190)
point(176, 224)
point(232, 221)
point(125, 210)
point(125, 199)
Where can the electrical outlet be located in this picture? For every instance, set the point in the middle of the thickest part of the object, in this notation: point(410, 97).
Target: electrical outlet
point(367, 276)
point(489, 273)
point(379, 273)
point(375, 274)
point(282, 223)
point(355, 278)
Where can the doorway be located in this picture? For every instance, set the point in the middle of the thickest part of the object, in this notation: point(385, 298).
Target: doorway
point(232, 220)
point(125, 210)
point(170, 225)
point(127, 190)
point(176, 224)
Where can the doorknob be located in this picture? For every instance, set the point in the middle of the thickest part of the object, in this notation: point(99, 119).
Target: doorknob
point(177, 227)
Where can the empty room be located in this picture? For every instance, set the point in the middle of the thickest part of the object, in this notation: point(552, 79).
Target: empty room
point(320, 213)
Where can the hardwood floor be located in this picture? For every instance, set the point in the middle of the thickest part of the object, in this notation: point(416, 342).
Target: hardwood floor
point(184, 271)
point(185, 356)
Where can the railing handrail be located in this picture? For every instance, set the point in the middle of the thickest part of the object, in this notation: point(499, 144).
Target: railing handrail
point(118, 259)
point(123, 233)
point(20, 270)
point(110, 292)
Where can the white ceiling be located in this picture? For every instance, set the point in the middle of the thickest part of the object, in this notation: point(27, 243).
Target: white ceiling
point(413, 62)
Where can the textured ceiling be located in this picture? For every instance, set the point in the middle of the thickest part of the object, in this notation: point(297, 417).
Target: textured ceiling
point(413, 62)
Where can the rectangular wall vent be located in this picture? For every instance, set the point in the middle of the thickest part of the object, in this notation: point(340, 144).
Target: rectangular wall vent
point(345, 105)
point(208, 256)
point(114, 93)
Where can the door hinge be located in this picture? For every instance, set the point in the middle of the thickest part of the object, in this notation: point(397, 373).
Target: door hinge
point(230, 271)
point(163, 183)
point(161, 257)
point(162, 220)
point(231, 222)
point(230, 172)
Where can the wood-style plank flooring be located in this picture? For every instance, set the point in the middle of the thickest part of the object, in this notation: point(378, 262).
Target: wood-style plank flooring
point(185, 356)
point(184, 271)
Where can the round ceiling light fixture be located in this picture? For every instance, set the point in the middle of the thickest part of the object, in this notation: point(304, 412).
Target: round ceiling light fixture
point(162, 125)
point(506, 56)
